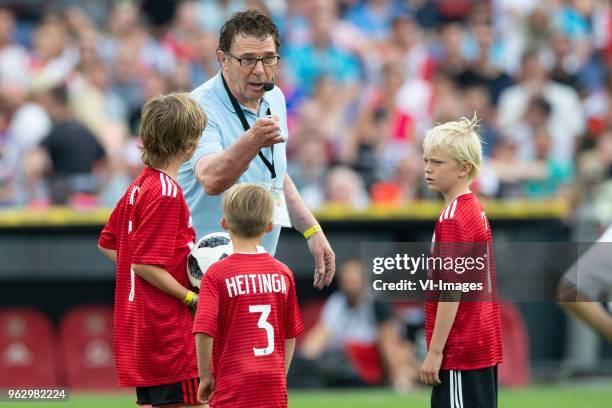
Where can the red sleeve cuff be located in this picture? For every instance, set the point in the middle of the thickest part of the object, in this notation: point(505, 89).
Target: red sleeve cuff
point(108, 244)
point(198, 328)
point(294, 333)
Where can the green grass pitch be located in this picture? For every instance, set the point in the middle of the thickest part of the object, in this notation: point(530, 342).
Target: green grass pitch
point(558, 396)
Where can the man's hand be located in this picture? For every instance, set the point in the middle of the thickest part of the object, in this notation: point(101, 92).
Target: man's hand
point(206, 388)
point(265, 132)
point(430, 369)
point(325, 259)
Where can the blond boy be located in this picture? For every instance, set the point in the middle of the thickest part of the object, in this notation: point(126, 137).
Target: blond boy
point(148, 235)
point(248, 317)
point(463, 337)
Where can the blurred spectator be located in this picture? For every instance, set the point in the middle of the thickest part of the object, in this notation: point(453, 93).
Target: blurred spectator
point(374, 17)
point(370, 77)
point(122, 28)
point(13, 57)
point(536, 115)
point(69, 154)
point(554, 174)
point(324, 113)
point(414, 101)
point(321, 58)
point(153, 85)
point(406, 185)
point(343, 187)
point(94, 103)
point(566, 62)
point(384, 128)
point(447, 100)
point(539, 29)
point(182, 31)
point(477, 100)
point(485, 69)
point(158, 13)
point(293, 23)
point(213, 13)
point(509, 170)
point(567, 118)
point(127, 80)
point(97, 11)
point(407, 48)
point(308, 170)
point(53, 57)
point(26, 123)
point(537, 170)
point(204, 64)
point(355, 340)
point(451, 56)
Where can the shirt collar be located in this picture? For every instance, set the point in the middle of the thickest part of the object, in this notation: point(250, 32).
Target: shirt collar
point(222, 94)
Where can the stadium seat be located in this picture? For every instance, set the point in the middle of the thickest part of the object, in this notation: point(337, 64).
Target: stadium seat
point(27, 349)
point(87, 338)
point(514, 371)
point(365, 360)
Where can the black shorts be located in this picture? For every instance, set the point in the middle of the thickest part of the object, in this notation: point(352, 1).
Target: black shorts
point(184, 393)
point(466, 389)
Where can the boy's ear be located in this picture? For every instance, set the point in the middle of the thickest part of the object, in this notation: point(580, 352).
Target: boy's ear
point(465, 169)
point(224, 224)
point(269, 227)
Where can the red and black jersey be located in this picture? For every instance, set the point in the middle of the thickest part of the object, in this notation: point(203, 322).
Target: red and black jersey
point(474, 341)
point(151, 225)
point(249, 306)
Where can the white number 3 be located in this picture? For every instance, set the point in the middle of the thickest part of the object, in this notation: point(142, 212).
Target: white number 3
point(263, 324)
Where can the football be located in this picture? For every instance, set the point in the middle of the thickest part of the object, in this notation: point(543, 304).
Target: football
point(210, 249)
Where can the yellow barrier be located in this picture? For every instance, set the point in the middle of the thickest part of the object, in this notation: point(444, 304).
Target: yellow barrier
point(421, 210)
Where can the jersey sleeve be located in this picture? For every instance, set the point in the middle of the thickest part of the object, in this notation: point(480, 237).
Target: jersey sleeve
point(208, 307)
point(451, 231)
point(453, 245)
point(154, 239)
point(109, 237)
point(461, 262)
point(293, 321)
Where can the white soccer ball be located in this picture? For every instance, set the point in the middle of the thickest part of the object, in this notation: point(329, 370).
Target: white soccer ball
point(210, 249)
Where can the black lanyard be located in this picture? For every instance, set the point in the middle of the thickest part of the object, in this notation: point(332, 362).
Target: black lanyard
point(246, 126)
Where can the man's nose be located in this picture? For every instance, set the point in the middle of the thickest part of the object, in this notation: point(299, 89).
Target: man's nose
point(259, 69)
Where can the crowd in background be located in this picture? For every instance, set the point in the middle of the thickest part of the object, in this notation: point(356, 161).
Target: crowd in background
point(363, 80)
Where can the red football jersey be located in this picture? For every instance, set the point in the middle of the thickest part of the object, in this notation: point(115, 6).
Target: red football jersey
point(474, 341)
point(151, 225)
point(248, 304)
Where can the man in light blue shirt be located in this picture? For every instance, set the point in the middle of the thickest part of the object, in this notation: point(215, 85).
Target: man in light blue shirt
point(246, 136)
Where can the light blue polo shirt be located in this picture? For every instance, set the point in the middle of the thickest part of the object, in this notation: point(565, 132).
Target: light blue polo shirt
point(223, 129)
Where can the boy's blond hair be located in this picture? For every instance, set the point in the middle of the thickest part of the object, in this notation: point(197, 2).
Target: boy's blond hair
point(247, 208)
point(460, 140)
point(171, 125)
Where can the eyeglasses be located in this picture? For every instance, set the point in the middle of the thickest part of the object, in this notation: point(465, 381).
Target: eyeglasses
point(250, 62)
